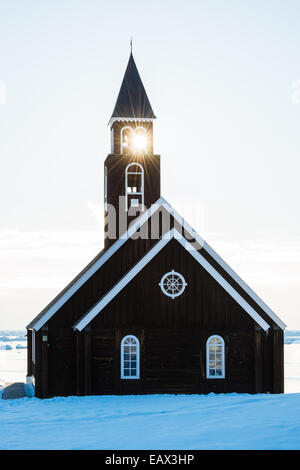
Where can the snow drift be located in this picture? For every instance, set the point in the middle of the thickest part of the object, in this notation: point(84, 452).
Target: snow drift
point(229, 421)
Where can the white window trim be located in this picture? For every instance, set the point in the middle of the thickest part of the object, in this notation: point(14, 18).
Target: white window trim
point(169, 294)
point(105, 188)
point(112, 142)
point(140, 193)
point(137, 376)
point(121, 136)
point(143, 129)
point(223, 358)
point(133, 132)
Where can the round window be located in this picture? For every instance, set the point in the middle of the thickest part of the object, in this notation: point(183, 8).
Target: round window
point(172, 284)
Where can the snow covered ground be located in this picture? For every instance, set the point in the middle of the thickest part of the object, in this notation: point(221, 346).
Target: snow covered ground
point(233, 421)
point(292, 368)
point(230, 421)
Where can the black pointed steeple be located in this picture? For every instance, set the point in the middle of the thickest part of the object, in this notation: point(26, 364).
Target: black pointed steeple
point(132, 100)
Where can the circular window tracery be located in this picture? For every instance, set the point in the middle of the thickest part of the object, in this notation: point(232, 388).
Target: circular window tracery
point(172, 284)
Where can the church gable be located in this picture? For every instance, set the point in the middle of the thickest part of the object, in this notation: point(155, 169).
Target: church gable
point(106, 268)
point(160, 248)
point(97, 279)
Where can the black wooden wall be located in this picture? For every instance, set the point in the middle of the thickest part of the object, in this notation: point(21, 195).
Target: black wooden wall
point(172, 334)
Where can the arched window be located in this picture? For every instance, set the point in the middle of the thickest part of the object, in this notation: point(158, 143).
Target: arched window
point(215, 358)
point(139, 140)
point(126, 138)
point(130, 357)
point(134, 186)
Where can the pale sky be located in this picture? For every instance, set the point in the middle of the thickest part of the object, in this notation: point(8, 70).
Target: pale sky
point(223, 78)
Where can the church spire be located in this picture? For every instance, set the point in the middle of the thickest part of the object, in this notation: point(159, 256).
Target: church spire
point(132, 170)
point(132, 101)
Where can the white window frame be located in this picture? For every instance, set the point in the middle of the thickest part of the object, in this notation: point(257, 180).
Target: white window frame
point(145, 133)
point(143, 129)
point(171, 294)
point(133, 132)
point(121, 136)
point(137, 345)
point(105, 188)
point(222, 376)
point(134, 203)
point(112, 142)
point(127, 193)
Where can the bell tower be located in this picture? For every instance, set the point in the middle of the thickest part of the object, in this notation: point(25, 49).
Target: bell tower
point(131, 170)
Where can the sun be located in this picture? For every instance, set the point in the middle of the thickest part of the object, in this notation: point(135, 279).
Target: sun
point(139, 143)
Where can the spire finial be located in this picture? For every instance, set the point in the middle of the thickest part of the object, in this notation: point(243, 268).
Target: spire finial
point(131, 44)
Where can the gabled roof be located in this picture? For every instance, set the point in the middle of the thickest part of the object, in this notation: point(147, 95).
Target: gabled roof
point(225, 266)
point(172, 234)
point(66, 293)
point(132, 101)
point(103, 256)
point(48, 312)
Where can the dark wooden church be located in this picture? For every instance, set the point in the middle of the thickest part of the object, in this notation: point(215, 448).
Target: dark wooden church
point(157, 310)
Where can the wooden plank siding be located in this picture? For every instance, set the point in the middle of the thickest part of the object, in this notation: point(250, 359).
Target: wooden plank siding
point(116, 170)
point(172, 361)
point(258, 359)
point(61, 352)
point(87, 361)
point(172, 334)
point(278, 361)
point(79, 363)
